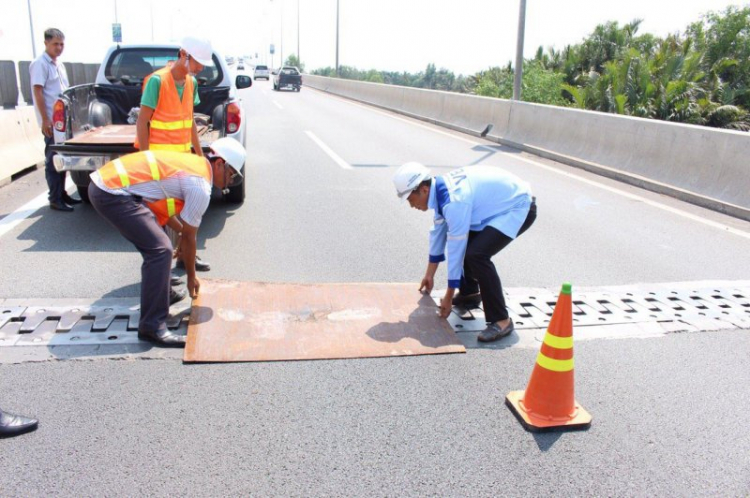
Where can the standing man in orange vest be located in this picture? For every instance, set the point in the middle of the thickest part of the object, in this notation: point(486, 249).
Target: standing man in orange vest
point(165, 121)
point(141, 193)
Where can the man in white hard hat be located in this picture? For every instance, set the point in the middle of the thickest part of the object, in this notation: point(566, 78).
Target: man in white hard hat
point(141, 193)
point(479, 210)
point(165, 121)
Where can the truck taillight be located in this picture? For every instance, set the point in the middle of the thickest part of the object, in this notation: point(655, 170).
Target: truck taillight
point(58, 115)
point(233, 118)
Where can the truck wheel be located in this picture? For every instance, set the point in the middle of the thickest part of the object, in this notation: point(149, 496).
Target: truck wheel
point(82, 180)
point(83, 192)
point(236, 195)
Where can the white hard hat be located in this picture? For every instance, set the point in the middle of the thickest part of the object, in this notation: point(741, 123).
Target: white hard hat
point(199, 49)
point(231, 151)
point(408, 177)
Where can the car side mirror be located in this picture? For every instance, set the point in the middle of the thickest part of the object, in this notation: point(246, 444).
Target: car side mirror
point(243, 81)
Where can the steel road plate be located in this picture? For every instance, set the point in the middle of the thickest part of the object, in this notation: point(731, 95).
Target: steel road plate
point(247, 321)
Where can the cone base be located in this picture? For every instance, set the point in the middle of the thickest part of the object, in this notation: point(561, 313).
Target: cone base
point(581, 420)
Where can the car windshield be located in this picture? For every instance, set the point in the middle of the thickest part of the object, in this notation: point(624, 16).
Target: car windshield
point(289, 70)
point(261, 68)
point(129, 66)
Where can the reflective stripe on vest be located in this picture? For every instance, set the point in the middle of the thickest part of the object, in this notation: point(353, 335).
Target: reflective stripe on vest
point(171, 210)
point(172, 147)
point(152, 164)
point(174, 125)
point(124, 180)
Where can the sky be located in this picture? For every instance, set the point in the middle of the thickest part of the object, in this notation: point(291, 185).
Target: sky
point(393, 35)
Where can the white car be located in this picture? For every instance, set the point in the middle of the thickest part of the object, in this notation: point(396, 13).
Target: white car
point(261, 72)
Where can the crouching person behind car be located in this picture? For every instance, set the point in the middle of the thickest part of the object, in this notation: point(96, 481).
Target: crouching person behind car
point(140, 193)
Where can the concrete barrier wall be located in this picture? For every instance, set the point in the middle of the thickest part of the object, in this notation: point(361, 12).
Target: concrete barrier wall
point(21, 141)
point(705, 166)
point(20, 146)
point(8, 85)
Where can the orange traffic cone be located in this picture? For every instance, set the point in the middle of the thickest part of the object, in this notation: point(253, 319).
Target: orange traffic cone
point(549, 400)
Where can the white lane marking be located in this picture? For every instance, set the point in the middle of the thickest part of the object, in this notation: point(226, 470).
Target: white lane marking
point(277, 104)
point(328, 151)
point(658, 205)
point(16, 217)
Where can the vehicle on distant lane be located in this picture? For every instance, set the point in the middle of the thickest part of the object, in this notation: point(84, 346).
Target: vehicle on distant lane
point(261, 71)
point(287, 77)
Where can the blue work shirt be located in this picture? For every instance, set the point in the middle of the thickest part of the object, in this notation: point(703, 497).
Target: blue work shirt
point(471, 199)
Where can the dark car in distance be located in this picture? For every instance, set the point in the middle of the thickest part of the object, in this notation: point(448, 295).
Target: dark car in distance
point(287, 77)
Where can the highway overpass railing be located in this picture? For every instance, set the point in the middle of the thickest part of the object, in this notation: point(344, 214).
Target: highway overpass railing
point(705, 166)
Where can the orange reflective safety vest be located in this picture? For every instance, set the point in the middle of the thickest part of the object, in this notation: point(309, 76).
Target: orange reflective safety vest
point(172, 122)
point(148, 166)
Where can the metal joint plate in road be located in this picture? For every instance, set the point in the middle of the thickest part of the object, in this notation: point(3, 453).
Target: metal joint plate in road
point(678, 306)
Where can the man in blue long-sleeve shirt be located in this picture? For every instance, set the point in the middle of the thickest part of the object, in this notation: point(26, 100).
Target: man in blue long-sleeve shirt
point(479, 210)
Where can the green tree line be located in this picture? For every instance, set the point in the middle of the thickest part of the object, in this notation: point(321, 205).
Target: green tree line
point(700, 76)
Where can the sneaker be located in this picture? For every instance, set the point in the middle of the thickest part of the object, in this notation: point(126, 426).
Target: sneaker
point(176, 295)
point(467, 301)
point(493, 332)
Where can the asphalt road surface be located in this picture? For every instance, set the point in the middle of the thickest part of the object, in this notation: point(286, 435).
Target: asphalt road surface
point(669, 412)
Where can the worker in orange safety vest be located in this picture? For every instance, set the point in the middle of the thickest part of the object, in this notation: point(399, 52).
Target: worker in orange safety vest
point(141, 193)
point(165, 120)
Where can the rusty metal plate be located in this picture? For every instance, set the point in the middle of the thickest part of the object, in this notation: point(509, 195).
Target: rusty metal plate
point(248, 321)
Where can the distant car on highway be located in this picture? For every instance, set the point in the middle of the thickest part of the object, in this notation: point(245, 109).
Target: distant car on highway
point(287, 77)
point(241, 65)
point(261, 72)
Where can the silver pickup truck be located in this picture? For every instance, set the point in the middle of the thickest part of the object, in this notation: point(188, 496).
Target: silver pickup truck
point(95, 123)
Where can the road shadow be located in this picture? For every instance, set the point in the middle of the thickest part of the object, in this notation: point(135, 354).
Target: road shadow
point(546, 440)
point(491, 150)
point(423, 325)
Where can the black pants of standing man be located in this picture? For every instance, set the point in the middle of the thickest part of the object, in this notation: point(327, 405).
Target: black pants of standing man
point(55, 179)
point(137, 224)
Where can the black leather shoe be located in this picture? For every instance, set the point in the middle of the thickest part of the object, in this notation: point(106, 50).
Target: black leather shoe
point(467, 301)
point(176, 295)
point(493, 332)
point(13, 425)
point(70, 200)
point(175, 280)
point(200, 265)
point(60, 206)
point(163, 338)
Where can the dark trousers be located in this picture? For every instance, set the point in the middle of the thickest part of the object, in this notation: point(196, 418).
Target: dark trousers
point(55, 180)
point(137, 224)
point(480, 274)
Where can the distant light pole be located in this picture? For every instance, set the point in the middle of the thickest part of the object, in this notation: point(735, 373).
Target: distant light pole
point(519, 51)
point(281, 50)
point(281, 45)
point(337, 38)
point(31, 26)
point(299, 59)
point(151, 7)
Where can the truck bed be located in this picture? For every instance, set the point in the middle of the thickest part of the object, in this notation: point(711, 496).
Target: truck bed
point(114, 135)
